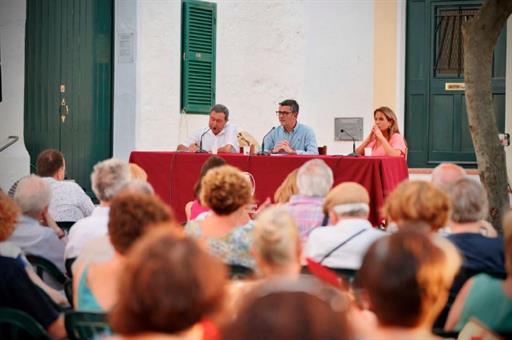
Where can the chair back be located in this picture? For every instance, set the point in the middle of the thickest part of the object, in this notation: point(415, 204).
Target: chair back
point(42, 266)
point(16, 324)
point(65, 225)
point(237, 272)
point(68, 263)
point(86, 325)
point(68, 290)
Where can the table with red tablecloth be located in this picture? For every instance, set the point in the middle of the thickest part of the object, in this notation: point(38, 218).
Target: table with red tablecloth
point(174, 174)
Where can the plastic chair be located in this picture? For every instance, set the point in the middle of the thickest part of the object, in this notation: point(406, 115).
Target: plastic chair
point(65, 225)
point(237, 272)
point(16, 324)
point(68, 290)
point(69, 266)
point(347, 274)
point(86, 325)
point(42, 265)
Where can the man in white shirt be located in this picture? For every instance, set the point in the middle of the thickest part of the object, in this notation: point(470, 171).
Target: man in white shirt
point(219, 134)
point(343, 244)
point(69, 201)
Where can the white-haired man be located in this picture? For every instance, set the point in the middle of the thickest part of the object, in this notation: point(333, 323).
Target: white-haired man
point(107, 179)
point(314, 180)
point(36, 232)
point(343, 244)
point(444, 176)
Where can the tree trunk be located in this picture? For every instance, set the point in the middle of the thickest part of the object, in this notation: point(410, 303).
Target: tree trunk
point(479, 37)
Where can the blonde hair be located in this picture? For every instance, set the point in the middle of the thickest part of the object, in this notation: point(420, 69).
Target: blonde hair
point(418, 201)
point(287, 189)
point(276, 237)
point(390, 115)
point(137, 173)
point(225, 189)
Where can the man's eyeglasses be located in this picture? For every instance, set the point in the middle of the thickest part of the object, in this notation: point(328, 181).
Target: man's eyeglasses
point(283, 113)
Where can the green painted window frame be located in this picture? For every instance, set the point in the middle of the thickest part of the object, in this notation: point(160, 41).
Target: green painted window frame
point(198, 56)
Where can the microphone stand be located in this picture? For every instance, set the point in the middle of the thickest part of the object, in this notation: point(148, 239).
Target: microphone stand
point(354, 153)
point(262, 151)
point(201, 143)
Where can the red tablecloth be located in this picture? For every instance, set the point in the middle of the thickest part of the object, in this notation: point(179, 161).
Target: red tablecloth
point(174, 174)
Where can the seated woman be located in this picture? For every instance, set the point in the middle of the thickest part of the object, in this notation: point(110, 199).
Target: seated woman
point(162, 300)
point(226, 229)
point(131, 215)
point(404, 278)
point(417, 205)
point(195, 208)
point(384, 138)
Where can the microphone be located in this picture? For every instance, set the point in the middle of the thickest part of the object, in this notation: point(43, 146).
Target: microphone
point(262, 151)
point(201, 143)
point(354, 154)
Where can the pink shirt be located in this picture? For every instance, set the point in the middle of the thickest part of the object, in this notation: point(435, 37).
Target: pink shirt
point(196, 209)
point(396, 141)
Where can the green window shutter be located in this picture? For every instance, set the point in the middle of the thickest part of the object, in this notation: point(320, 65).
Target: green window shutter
point(199, 20)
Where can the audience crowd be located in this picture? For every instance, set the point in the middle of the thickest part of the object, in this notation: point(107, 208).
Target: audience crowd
point(308, 266)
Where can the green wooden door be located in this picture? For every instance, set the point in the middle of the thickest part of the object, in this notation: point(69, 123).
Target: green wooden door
point(436, 123)
point(68, 82)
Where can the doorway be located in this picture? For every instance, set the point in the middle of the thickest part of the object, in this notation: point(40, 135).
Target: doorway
point(68, 82)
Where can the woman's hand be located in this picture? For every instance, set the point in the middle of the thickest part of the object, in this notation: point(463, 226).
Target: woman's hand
point(369, 138)
point(378, 134)
point(366, 141)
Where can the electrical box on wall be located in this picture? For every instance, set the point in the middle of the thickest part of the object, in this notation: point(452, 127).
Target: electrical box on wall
point(352, 127)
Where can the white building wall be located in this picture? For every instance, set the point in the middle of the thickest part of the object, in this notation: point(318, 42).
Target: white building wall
point(126, 80)
point(318, 52)
point(14, 161)
point(266, 52)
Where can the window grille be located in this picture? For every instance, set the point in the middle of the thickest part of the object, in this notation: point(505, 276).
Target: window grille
point(449, 53)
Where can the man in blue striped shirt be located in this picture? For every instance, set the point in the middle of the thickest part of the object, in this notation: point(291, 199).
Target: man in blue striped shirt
point(291, 137)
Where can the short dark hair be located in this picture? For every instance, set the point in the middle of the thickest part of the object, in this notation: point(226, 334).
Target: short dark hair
point(405, 274)
point(168, 284)
point(294, 106)
point(221, 108)
point(48, 162)
point(210, 163)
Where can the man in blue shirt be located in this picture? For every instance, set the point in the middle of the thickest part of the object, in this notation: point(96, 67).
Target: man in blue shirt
point(291, 137)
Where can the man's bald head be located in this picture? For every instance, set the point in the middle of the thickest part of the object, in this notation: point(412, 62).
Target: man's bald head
point(445, 174)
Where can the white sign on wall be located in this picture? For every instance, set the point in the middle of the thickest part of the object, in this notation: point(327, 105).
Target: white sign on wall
point(125, 48)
